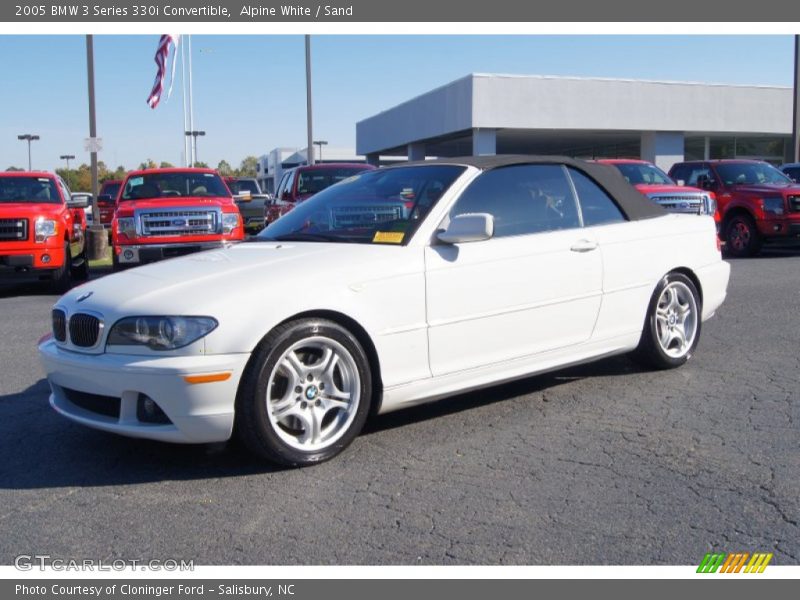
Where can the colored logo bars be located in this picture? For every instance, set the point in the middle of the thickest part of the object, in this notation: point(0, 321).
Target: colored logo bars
point(734, 563)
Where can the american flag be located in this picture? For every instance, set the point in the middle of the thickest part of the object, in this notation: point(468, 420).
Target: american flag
point(162, 54)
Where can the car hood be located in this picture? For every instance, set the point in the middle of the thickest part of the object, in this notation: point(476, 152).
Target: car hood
point(647, 188)
point(128, 206)
point(248, 274)
point(762, 188)
point(26, 209)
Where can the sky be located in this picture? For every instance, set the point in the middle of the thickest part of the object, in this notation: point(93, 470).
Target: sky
point(250, 95)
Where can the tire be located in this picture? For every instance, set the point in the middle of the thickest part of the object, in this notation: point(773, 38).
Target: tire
point(81, 272)
point(62, 277)
point(742, 238)
point(305, 393)
point(672, 326)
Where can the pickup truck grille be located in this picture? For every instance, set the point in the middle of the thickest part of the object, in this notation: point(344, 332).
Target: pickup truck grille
point(365, 216)
point(694, 204)
point(13, 230)
point(84, 330)
point(794, 203)
point(181, 222)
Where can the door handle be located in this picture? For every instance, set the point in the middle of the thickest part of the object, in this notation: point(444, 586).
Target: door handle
point(584, 246)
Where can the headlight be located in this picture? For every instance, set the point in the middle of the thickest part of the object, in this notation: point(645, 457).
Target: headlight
point(230, 221)
point(44, 228)
point(127, 225)
point(773, 205)
point(160, 333)
point(711, 205)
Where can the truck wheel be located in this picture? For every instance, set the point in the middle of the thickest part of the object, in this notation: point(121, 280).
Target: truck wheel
point(81, 271)
point(742, 238)
point(62, 277)
point(672, 327)
point(305, 394)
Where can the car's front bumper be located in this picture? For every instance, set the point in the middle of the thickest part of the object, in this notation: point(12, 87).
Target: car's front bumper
point(136, 254)
point(198, 412)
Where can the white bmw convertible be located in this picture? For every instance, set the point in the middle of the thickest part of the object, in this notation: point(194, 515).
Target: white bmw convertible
point(391, 288)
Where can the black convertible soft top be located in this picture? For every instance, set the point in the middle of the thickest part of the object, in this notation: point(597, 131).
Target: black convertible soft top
point(635, 205)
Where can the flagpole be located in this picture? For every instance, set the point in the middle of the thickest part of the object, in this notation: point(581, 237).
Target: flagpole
point(185, 123)
point(309, 121)
point(191, 104)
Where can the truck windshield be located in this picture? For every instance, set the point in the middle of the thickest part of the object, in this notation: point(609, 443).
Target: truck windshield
point(33, 190)
point(745, 173)
point(312, 181)
point(174, 185)
point(244, 185)
point(643, 174)
point(382, 206)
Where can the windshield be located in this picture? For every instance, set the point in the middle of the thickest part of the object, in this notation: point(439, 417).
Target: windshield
point(750, 173)
point(383, 206)
point(35, 190)
point(312, 181)
point(643, 174)
point(244, 185)
point(112, 189)
point(174, 185)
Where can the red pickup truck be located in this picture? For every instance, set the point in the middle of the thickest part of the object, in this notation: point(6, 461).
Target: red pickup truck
point(106, 200)
point(757, 202)
point(161, 213)
point(664, 191)
point(42, 230)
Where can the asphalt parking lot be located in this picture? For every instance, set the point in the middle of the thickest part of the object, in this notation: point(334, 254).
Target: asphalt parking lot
point(598, 464)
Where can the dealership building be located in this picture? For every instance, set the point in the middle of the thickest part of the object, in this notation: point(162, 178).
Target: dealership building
point(660, 121)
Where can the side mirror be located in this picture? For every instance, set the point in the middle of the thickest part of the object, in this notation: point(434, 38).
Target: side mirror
point(105, 199)
point(78, 201)
point(469, 227)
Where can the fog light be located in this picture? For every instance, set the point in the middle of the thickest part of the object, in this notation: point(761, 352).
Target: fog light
point(147, 411)
point(128, 254)
point(776, 227)
point(45, 258)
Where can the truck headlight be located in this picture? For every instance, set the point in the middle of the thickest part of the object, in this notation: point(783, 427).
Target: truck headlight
point(160, 333)
point(773, 205)
point(127, 225)
point(711, 205)
point(44, 228)
point(230, 221)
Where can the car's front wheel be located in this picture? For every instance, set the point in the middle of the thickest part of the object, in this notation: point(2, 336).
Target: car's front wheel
point(742, 238)
point(672, 327)
point(305, 394)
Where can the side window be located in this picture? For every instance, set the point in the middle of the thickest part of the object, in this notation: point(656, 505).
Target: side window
point(523, 199)
point(597, 207)
point(64, 190)
point(681, 172)
point(697, 174)
point(281, 185)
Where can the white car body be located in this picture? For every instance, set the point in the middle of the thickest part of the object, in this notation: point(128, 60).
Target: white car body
point(441, 318)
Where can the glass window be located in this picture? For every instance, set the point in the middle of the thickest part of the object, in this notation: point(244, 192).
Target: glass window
point(32, 190)
point(522, 199)
point(174, 184)
point(793, 173)
point(382, 206)
point(314, 180)
point(750, 173)
point(643, 173)
point(597, 207)
point(690, 174)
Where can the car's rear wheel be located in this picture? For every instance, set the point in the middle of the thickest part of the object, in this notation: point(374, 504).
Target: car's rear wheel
point(305, 394)
point(672, 327)
point(742, 238)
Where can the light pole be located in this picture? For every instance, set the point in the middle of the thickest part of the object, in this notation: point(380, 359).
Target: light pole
point(68, 157)
point(194, 134)
point(29, 138)
point(320, 143)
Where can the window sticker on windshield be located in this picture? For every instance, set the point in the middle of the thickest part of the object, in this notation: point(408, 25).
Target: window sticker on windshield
point(43, 179)
point(388, 237)
point(134, 181)
point(208, 175)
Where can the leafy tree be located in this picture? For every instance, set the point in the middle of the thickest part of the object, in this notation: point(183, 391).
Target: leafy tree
point(201, 165)
point(148, 164)
point(13, 168)
point(165, 165)
point(224, 168)
point(248, 168)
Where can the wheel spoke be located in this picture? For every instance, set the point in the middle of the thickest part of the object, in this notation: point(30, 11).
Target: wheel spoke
point(329, 403)
point(294, 369)
point(680, 335)
point(284, 408)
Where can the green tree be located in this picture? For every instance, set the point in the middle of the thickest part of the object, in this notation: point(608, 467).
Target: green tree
point(13, 168)
point(165, 165)
point(248, 168)
point(201, 165)
point(224, 168)
point(119, 173)
point(148, 164)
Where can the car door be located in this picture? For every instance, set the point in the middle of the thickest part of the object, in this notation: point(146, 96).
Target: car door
point(534, 286)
